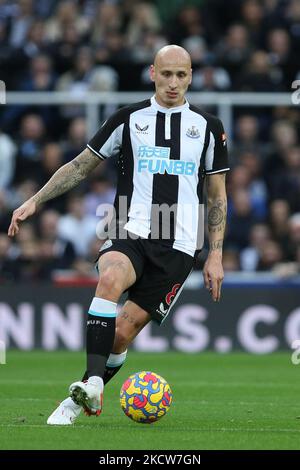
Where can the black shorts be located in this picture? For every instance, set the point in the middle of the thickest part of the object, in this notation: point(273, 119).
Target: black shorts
point(160, 273)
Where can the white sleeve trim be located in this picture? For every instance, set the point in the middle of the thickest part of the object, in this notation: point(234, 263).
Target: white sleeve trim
point(209, 158)
point(211, 172)
point(97, 153)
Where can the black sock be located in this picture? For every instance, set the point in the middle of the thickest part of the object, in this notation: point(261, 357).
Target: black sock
point(100, 335)
point(110, 371)
point(85, 376)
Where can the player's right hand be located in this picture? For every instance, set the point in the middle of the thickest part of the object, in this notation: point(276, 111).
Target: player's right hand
point(20, 214)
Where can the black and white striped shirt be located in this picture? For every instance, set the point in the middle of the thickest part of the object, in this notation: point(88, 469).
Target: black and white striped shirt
point(163, 156)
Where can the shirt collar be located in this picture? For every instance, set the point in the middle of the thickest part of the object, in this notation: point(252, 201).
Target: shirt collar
point(162, 109)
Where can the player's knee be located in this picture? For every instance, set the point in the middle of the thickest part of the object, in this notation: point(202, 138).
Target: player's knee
point(110, 284)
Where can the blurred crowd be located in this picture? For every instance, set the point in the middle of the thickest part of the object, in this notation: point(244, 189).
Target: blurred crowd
point(75, 46)
point(106, 44)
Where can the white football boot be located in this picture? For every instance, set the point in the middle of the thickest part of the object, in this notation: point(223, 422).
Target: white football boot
point(65, 414)
point(89, 395)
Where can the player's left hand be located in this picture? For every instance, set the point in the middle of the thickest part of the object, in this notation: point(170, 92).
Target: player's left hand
point(213, 275)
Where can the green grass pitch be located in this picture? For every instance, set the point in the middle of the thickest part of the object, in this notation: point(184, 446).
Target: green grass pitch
point(234, 401)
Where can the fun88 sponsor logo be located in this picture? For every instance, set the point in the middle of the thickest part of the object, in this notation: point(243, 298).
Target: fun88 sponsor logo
point(157, 160)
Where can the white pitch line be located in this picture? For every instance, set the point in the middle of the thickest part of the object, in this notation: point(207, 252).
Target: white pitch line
point(190, 383)
point(31, 382)
point(186, 402)
point(238, 384)
point(25, 399)
point(240, 430)
point(234, 403)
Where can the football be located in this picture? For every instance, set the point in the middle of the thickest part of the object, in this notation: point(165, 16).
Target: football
point(145, 397)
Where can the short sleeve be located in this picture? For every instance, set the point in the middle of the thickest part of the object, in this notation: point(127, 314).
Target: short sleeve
point(216, 159)
point(108, 139)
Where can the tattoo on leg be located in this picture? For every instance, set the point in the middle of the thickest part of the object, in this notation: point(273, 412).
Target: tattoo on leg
point(138, 325)
point(127, 317)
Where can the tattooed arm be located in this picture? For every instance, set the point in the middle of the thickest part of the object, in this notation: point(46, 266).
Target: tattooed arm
point(65, 178)
point(68, 176)
point(216, 210)
point(216, 221)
